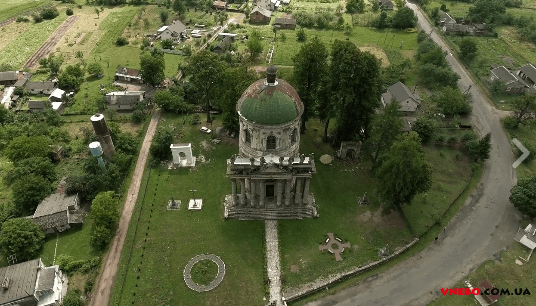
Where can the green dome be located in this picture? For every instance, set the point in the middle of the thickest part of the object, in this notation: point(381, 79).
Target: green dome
point(272, 105)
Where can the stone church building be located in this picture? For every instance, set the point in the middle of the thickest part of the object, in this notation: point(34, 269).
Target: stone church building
point(269, 177)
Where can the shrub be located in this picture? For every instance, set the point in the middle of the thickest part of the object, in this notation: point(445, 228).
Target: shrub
point(510, 123)
point(37, 18)
point(49, 13)
point(425, 127)
point(22, 19)
point(121, 41)
point(301, 36)
point(440, 139)
point(69, 12)
point(137, 116)
point(452, 140)
point(468, 136)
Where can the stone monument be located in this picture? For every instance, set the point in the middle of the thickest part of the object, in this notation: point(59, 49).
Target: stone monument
point(182, 155)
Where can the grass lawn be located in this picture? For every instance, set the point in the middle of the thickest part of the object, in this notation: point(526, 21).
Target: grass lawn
point(74, 242)
point(162, 241)
point(11, 8)
point(361, 36)
point(336, 188)
point(502, 272)
point(19, 50)
point(5, 191)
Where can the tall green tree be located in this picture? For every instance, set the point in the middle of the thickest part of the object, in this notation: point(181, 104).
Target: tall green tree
point(21, 237)
point(425, 127)
point(468, 49)
point(234, 82)
point(524, 108)
point(105, 216)
point(325, 107)
point(23, 147)
point(171, 101)
point(205, 69)
point(310, 68)
point(29, 191)
point(487, 11)
point(164, 15)
point(254, 45)
point(40, 166)
point(160, 146)
point(152, 67)
point(404, 172)
point(451, 101)
point(356, 88)
point(179, 7)
point(479, 150)
point(404, 18)
point(523, 196)
point(385, 128)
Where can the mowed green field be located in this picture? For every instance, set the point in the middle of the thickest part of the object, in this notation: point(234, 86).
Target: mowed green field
point(361, 36)
point(161, 243)
point(12, 8)
point(27, 43)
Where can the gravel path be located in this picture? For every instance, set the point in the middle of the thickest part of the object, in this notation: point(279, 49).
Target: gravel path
point(272, 256)
point(105, 283)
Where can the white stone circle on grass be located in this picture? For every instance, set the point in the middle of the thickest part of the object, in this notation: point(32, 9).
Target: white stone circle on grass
point(217, 280)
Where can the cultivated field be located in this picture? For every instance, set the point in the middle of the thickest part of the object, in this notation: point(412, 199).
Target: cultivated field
point(10, 32)
point(11, 8)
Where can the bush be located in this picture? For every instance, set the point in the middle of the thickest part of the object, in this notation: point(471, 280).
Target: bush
point(72, 298)
point(510, 123)
point(49, 13)
point(467, 136)
point(137, 116)
point(37, 18)
point(22, 19)
point(69, 12)
point(452, 140)
point(88, 286)
point(440, 139)
point(425, 127)
point(301, 36)
point(121, 41)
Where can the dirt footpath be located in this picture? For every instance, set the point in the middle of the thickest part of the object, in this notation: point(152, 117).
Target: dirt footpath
point(101, 296)
point(51, 42)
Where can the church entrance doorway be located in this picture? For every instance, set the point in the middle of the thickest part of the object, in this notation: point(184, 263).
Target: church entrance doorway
point(270, 190)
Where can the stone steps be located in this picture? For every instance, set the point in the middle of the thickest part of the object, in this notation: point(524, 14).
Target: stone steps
point(243, 213)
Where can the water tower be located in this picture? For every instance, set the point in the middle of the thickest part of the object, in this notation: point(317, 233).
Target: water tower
point(103, 135)
point(96, 151)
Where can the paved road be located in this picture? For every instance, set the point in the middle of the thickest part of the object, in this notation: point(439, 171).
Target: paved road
point(106, 280)
point(485, 225)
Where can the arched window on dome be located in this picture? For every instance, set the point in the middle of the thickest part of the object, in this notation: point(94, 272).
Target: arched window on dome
point(247, 135)
point(294, 136)
point(270, 142)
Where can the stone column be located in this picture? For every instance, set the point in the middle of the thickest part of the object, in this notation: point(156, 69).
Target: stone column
point(248, 190)
point(298, 194)
point(278, 192)
point(233, 183)
point(306, 191)
point(287, 192)
point(253, 192)
point(262, 184)
point(243, 191)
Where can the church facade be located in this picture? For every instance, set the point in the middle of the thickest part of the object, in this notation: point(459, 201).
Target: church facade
point(269, 177)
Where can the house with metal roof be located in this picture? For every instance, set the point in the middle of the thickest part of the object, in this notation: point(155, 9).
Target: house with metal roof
point(446, 19)
point(386, 4)
point(57, 212)
point(260, 15)
point(9, 77)
point(128, 75)
point(400, 93)
point(219, 5)
point(40, 88)
point(528, 74)
point(124, 100)
point(285, 22)
point(36, 106)
point(175, 31)
point(223, 45)
point(512, 83)
point(30, 283)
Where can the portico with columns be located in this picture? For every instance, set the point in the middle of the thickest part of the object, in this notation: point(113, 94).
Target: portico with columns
point(269, 178)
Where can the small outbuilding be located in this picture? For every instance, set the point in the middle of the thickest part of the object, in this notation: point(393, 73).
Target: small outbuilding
point(219, 5)
point(285, 22)
point(512, 83)
point(527, 237)
point(386, 4)
point(9, 77)
point(128, 75)
point(223, 45)
point(36, 106)
point(57, 212)
point(528, 74)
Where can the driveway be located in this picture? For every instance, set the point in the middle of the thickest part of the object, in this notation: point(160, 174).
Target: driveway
point(486, 224)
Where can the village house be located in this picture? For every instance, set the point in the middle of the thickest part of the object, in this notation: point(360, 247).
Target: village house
point(40, 88)
point(128, 75)
point(9, 77)
point(219, 5)
point(386, 4)
point(124, 100)
point(57, 212)
point(512, 83)
point(400, 93)
point(176, 31)
point(446, 19)
point(285, 22)
point(30, 283)
point(528, 74)
point(465, 28)
point(260, 15)
point(223, 45)
point(36, 106)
